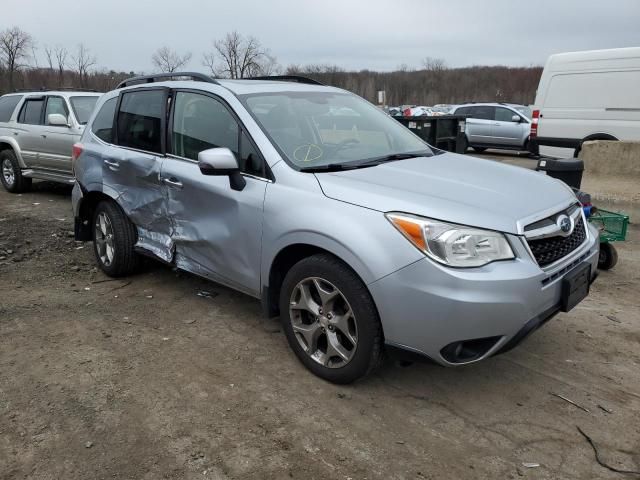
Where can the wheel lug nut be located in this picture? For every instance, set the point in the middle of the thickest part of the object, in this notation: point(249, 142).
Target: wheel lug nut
point(331, 328)
point(329, 316)
point(320, 311)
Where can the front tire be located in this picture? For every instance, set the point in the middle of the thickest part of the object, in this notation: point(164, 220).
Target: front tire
point(608, 257)
point(114, 237)
point(11, 173)
point(330, 320)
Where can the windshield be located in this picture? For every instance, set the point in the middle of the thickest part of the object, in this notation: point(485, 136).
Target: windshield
point(526, 111)
point(313, 129)
point(83, 107)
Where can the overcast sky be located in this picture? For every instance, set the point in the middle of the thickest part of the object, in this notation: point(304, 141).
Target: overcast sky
point(354, 34)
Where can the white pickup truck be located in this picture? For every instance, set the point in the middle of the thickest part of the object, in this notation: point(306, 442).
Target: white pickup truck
point(37, 133)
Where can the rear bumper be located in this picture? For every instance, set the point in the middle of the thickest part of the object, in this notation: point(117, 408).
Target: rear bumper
point(456, 316)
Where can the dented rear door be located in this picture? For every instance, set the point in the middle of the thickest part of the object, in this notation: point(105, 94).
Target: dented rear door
point(133, 172)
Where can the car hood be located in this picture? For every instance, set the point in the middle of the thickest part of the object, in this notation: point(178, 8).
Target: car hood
point(455, 188)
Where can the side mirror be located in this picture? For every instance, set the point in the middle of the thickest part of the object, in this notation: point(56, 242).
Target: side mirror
point(222, 161)
point(57, 120)
point(516, 119)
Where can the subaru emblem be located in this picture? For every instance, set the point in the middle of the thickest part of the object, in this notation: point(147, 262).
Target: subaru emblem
point(564, 223)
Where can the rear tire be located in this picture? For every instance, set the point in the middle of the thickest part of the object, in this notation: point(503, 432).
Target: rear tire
point(608, 257)
point(114, 237)
point(330, 320)
point(11, 173)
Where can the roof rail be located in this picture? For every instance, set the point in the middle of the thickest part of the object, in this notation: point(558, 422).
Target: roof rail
point(287, 78)
point(59, 89)
point(196, 77)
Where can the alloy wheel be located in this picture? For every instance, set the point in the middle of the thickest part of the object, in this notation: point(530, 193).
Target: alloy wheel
point(104, 239)
point(8, 173)
point(323, 322)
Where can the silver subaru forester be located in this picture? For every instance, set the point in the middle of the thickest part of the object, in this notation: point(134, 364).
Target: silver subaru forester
point(360, 236)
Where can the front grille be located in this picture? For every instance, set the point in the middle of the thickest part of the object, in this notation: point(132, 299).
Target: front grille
point(548, 250)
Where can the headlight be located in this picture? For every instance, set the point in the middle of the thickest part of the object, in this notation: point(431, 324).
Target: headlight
point(453, 245)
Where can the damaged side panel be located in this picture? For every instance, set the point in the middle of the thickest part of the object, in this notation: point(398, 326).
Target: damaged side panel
point(135, 176)
point(217, 231)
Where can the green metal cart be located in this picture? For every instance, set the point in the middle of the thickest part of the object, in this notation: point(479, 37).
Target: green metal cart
point(613, 228)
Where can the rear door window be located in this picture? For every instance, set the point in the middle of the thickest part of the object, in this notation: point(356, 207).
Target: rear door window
point(102, 126)
point(31, 112)
point(140, 122)
point(7, 106)
point(483, 112)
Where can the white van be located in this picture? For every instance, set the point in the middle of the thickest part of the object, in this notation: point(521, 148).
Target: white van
point(592, 95)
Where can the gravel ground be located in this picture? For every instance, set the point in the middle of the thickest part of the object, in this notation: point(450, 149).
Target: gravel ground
point(142, 378)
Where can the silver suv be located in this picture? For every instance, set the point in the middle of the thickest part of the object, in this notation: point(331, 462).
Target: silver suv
point(496, 125)
point(359, 235)
point(37, 131)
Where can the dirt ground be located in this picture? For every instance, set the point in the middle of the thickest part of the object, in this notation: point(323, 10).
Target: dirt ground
point(142, 378)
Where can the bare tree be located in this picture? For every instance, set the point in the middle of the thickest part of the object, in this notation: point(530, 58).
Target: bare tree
point(48, 51)
point(14, 50)
point(167, 60)
point(83, 61)
point(61, 54)
point(236, 56)
point(434, 64)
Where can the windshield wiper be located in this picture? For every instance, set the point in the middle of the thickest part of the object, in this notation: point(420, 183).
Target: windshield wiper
point(338, 167)
point(393, 157)
point(333, 167)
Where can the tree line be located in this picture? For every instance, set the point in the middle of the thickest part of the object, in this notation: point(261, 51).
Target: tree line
point(239, 56)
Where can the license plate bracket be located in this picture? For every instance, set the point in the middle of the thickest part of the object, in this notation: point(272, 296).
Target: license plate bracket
point(575, 286)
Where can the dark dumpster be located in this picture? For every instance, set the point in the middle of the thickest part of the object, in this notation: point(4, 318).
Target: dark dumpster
point(445, 132)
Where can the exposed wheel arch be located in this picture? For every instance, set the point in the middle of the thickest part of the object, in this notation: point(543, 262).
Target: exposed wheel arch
point(90, 201)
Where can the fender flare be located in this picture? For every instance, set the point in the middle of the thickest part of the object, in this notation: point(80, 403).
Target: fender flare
point(16, 149)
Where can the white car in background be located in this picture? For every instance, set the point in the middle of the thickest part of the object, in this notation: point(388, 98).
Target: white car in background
point(591, 95)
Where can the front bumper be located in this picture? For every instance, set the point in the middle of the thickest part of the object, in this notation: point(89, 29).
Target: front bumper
point(428, 309)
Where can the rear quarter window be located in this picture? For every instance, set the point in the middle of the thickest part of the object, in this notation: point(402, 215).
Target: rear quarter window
point(102, 126)
point(8, 105)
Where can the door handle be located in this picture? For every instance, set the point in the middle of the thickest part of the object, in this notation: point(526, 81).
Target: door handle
point(43, 136)
point(16, 133)
point(172, 182)
point(496, 124)
point(111, 164)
